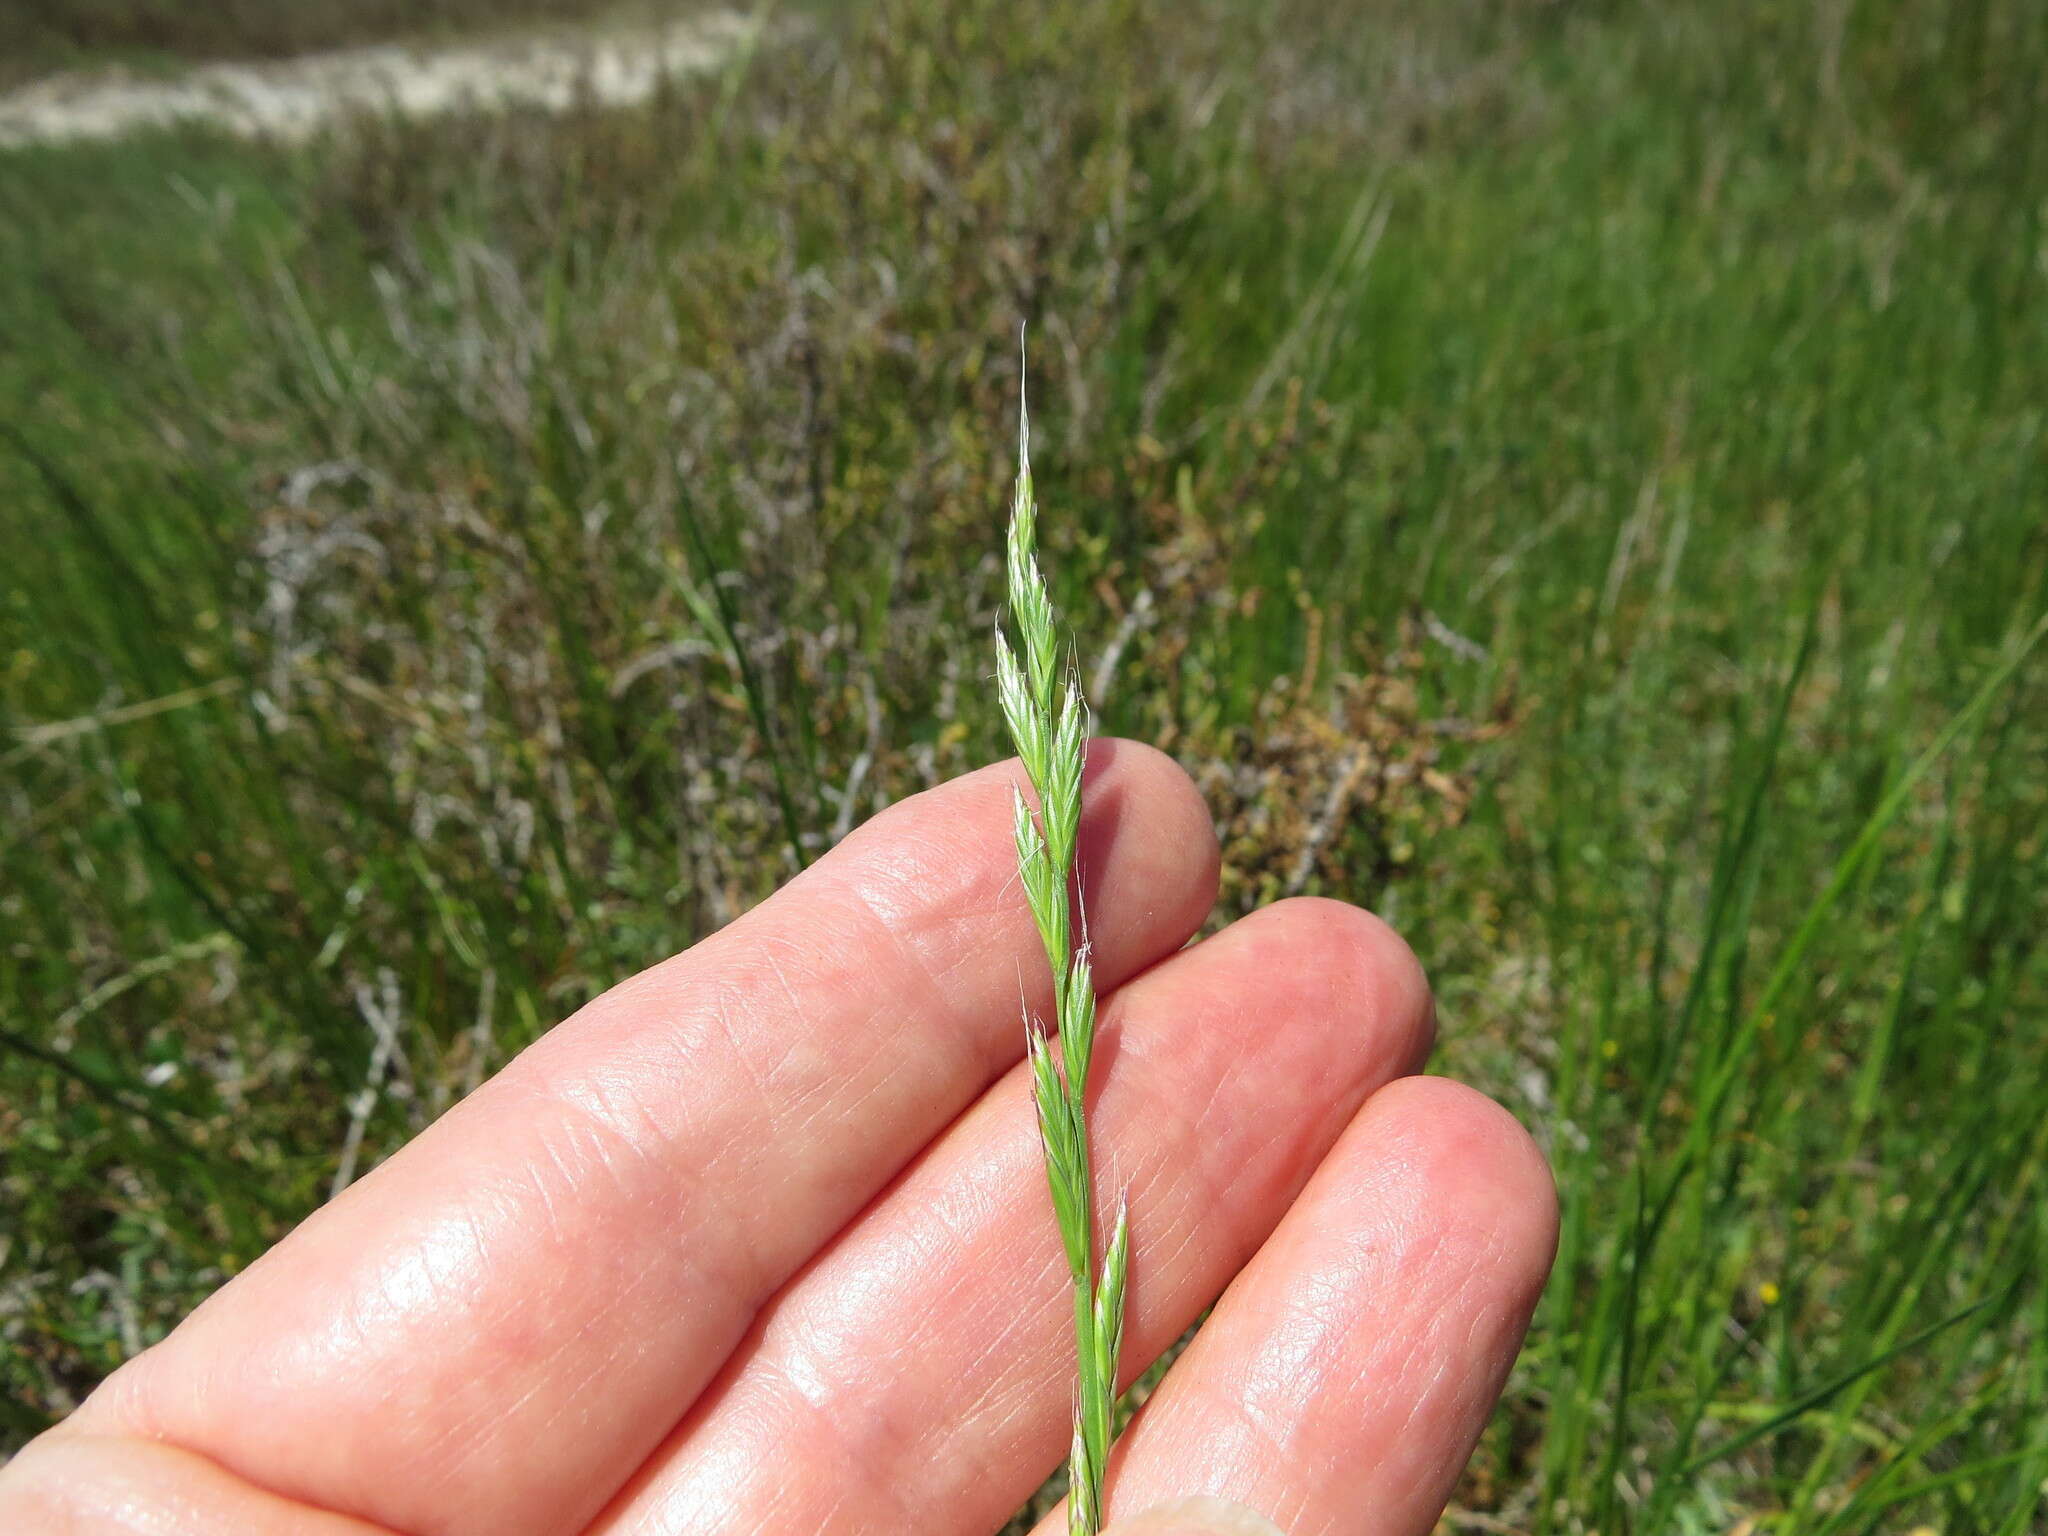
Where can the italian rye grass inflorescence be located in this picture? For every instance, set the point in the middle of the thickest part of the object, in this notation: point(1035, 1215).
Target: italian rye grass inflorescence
point(1048, 724)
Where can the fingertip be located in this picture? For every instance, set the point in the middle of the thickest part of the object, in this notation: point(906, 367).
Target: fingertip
point(1362, 975)
point(1131, 786)
point(1146, 861)
point(1477, 1172)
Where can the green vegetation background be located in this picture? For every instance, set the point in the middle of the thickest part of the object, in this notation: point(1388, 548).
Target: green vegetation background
point(1568, 475)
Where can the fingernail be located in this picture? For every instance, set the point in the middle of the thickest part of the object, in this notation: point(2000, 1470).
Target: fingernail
point(1197, 1517)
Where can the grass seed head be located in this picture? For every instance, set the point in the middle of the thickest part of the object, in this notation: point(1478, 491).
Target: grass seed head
point(1048, 724)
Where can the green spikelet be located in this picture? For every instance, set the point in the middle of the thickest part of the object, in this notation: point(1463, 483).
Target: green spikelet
point(1048, 724)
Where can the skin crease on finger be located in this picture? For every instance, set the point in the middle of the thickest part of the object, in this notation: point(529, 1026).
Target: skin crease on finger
point(923, 1364)
point(490, 1332)
point(83, 1485)
point(1197, 1516)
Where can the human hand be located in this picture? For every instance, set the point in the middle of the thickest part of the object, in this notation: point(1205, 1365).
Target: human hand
point(760, 1240)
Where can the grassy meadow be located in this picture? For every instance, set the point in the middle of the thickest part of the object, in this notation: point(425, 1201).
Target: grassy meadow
point(1571, 476)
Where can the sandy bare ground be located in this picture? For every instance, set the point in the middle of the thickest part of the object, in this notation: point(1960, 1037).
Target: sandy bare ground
point(294, 98)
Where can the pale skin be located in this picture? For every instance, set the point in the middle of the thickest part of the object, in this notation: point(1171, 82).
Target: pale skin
point(759, 1241)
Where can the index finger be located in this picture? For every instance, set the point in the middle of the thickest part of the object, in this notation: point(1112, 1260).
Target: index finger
point(491, 1331)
